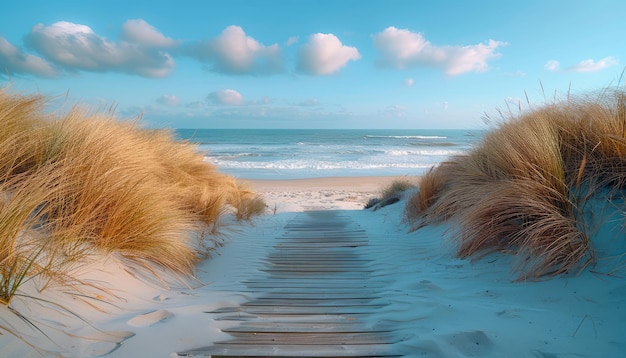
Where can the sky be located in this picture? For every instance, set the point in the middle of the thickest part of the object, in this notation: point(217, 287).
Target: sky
point(311, 64)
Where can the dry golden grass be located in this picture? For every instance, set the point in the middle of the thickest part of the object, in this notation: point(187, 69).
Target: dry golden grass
point(392, 193)
point(397, 187)
point(525, 187)
point(85, 182)
point(430, 186)
point(247, 204)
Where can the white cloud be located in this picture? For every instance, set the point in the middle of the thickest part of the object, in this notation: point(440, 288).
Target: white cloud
point(409, 82)
point(234, 52)
point(168, 100)
point(77, 47)
point(324, 54)
point(227, 97)
point(591, 66)
point(140, 32)
point(401, 49)
point(15, 61)
point(552, 65)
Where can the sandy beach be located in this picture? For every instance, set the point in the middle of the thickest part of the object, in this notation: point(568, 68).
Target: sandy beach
point(337, 193)
point(439, 305)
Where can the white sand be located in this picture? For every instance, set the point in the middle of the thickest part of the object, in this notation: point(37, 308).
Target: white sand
point(441, 306)
point(338, 193)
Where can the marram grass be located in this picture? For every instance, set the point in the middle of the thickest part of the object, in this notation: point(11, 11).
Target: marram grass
point(525, 187)
point(83, 182)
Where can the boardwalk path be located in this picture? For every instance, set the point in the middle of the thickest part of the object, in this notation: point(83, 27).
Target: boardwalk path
point(317, 296)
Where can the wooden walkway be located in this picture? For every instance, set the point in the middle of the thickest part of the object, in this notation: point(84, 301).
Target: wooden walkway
point(316, 297)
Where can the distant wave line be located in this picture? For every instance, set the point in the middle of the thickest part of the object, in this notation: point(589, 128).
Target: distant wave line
point(318, 165)
point(406, 136)
point(357, 152)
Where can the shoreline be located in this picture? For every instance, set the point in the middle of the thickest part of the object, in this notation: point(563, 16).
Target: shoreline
point(366, 183)
point(324, 193)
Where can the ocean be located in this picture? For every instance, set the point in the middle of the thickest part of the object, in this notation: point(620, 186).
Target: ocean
point(297, 153)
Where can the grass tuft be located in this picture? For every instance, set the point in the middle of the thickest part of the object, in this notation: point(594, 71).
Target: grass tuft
point(391, 194)
point(526, 186)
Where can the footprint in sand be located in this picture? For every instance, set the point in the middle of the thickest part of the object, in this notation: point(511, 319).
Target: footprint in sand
point(150, 318)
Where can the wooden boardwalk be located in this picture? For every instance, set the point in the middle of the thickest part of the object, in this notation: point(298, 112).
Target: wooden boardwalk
point(316, 297)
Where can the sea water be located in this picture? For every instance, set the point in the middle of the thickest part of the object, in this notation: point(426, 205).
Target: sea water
point(295, 153)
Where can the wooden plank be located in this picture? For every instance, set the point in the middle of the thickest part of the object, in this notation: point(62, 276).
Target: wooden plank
point(305, 327)
point(325, 319)
point(358, 291)
point(357, 294)
point(323, 272)
point(300, 310)
point(338, 279)
point(306, 246)
point(297, 265)
point(322, 241)
point(310, 338)
point(278, 258)
point(316, 286)
point(328, 235)
point(289, 302)
point(356, 266)
point(313, 254)
point(234, 350)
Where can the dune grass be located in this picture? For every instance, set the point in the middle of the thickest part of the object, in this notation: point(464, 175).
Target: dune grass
point(391, 193)
point(526, 186)
point(80, 182)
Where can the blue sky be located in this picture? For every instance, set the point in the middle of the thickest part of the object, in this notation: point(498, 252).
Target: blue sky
point(311, 64)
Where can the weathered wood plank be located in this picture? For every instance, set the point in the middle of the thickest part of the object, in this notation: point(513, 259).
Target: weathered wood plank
point(300, 310)
point(303, 327)
point(302, 302)
point(357, 294)
point(311, 350)
point(310, 338)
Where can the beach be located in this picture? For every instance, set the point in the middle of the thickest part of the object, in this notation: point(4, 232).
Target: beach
point(328, 193)
point(286, 179)
point(439, 305)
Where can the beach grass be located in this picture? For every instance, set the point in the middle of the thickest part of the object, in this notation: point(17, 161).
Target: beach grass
point(527, 186)
point(391, 193)
point(83, 182)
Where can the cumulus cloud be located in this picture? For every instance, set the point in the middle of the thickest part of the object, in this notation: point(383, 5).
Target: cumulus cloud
point(552, 65)
point(324, 54)
point(589, 65)
point(15, 61)
point(168, 100)
point(234, 52)
point(409, 82)
point(401, 49)
point(140, 32)
point(78, 48)
point(226, 97)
